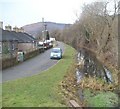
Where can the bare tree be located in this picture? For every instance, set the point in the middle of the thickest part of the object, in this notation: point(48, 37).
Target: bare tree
point(96, 29)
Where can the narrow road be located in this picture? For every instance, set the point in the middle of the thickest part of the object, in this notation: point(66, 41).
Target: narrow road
point(30, 67)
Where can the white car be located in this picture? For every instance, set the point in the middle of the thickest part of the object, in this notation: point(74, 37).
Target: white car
point(56, 53)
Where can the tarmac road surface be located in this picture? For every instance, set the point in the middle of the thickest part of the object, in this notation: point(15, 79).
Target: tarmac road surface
point(30, 67)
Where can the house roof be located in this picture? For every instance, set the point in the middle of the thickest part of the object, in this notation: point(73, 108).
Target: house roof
point(7, 36)
point(16, 36)
point(31, 37)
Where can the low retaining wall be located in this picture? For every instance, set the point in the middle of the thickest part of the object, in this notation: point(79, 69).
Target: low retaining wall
point(31, 54)
point(9, 62)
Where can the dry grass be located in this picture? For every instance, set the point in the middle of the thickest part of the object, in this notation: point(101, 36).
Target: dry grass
point(96, 84)
point(70, 88)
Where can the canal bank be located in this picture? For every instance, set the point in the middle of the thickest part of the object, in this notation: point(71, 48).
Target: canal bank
point(90, 83)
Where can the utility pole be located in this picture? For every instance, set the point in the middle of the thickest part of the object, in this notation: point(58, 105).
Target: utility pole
point(45, 26)
point(44, 32)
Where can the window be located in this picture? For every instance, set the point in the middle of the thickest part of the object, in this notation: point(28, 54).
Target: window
point(13, 46)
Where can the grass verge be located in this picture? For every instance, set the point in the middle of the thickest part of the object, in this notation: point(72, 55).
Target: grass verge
point(97, 93)
point(100, 99)
point(40, 90)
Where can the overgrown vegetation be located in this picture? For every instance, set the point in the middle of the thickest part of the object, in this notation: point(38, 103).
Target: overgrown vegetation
point(95, 29)
point(90, 92)
point(98, 93)
point(68, 86)
point(100, 98)
point(40, 90)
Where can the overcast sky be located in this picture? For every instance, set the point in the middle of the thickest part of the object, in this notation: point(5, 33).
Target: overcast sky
point(22, 12)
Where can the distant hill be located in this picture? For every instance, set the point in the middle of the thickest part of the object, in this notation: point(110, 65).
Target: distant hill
point(36, 28)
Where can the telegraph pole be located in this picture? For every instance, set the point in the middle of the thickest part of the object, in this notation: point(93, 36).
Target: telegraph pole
point(44, 32)
point(45, 26)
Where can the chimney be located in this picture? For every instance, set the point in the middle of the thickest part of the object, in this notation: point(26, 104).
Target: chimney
point(1, 25)
point(9, 28)
point(16, 29)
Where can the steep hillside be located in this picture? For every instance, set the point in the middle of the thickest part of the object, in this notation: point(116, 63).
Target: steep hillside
point(35, 29)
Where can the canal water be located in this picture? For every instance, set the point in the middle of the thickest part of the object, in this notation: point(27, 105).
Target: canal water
point(89, 65)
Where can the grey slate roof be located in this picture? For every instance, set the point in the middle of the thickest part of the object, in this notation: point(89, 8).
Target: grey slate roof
point(7, 36)
point(16, 36)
